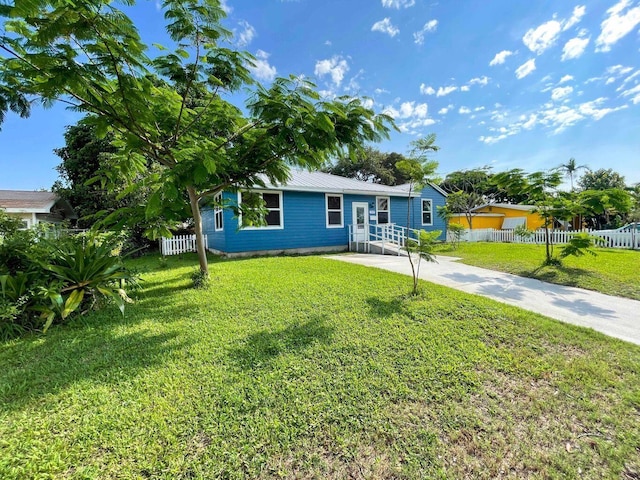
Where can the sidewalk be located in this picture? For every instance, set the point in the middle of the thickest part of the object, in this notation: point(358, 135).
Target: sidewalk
point(614, 316)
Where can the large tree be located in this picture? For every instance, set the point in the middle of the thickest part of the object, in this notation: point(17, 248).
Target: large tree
point(467, 190)
point(370, 165)
point(170, 107)
point(602, 179)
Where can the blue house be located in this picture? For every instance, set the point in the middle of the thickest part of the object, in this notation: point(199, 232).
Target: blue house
point(316, 212)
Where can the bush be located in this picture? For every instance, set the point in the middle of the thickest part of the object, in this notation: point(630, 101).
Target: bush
point(44, 280)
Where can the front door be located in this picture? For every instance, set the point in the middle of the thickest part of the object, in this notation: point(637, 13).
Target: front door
point(360, 222)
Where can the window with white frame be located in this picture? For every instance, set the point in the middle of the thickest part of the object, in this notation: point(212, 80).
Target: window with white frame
point(383, 210)
point(427, 212)
point(218, 212)
point(272, 202)
point(335, 211)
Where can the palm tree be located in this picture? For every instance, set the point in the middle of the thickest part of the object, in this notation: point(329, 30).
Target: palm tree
point(570, 168)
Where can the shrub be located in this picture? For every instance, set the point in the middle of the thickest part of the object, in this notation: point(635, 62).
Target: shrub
point(200, 279)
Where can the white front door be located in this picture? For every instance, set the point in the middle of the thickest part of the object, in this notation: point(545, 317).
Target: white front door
point(360, 221)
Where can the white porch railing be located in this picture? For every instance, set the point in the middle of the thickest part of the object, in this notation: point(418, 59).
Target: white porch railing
point(179, 244)
point(609, 239)
point(390, 238)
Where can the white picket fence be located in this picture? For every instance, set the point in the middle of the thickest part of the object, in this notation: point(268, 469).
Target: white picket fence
point(609, 239)
point(179, 244)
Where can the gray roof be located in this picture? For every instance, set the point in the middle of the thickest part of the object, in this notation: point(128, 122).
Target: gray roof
point(325, 182)
point(22, 201)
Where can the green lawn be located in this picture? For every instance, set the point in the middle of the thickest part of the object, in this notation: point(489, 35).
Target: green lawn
point(312, 368)
point(612, 271)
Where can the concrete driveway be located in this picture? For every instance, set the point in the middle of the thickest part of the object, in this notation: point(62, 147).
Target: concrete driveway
point(615, 316)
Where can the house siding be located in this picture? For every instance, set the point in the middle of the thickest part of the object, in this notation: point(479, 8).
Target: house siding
point(304, 217)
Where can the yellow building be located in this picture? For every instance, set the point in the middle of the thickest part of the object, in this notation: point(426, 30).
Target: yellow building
point(500, 216)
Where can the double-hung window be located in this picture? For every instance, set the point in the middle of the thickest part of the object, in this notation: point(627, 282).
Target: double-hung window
point(272, 202)
point(335, 211)
point(383, 210)
point(427, 212)
point(217, 212)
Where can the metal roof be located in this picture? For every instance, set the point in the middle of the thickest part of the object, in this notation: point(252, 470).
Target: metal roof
point(305, 181)
point(512, 206)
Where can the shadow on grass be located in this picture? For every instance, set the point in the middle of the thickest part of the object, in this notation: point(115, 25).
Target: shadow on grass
point(386, 308)
point(561, 275)
point(100, 356)
point(261, 348)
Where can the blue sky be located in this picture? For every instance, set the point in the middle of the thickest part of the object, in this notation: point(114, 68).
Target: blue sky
point(503, 83)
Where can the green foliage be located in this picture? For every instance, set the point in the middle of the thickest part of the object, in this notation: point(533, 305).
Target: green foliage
point(8, 225)
point(422, 247)
point(522, 232)
point(606, 208)
point(370, 165)
point(457, 231)
point(43, 280)
point(578, 245)
point(200, 279)
point(602, 179)
point(570, 168)
point(170, 109)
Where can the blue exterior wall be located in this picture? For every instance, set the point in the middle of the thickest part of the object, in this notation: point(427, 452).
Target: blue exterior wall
point(304, 218)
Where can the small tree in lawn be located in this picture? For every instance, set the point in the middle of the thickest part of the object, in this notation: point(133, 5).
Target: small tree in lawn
point(170, 108)
point(420, 170)
point(551, 205)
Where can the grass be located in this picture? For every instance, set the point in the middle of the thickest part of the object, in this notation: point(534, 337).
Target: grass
point(312, 368)
point(612, 271)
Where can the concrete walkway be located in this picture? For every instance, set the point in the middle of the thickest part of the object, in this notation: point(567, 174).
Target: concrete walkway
point(614, 316)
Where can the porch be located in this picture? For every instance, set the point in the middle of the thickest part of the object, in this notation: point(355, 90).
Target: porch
point(385, 239)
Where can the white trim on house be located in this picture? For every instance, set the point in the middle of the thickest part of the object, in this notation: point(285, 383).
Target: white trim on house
point(512, 206)
point(218, 213)
point(280, 209)
point(423, 211)
point(327, 210)
point(378, 210)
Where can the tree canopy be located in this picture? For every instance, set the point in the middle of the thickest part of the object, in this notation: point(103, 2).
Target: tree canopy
point(170, 107)
point(601, 179)
point(370, 165)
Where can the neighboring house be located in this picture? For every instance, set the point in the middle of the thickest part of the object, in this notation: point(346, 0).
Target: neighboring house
point(500, 216)
point(35, 207)
point(313, 211)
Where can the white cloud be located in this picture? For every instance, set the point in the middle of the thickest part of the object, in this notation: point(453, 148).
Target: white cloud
point(368, 103)
point(262, 70)
point(478, 109)
point(385, 26)
point(590, 109)
point(380, 91)
point(225, 7)
point(620, 22)
point(574, 48)
point(578, 13)
point(335, 66)
point(629, 78)
point(410, 109)
point(443, 91)
point(445, 110)
point(634, 93)
point(426, 90)
point(429, 27)
point(464, 110)
point(398, 3)
point(465, 88)
point(479, 81)
point(412, 126)
point(526, 68)
point(246, 35)
point(561, 92)
point(618, 70)
point(539, 39)
point(500, 57)
point(566, 78)
point(529, 124)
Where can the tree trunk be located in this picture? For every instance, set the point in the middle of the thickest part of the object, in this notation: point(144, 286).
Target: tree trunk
point(197, 223)
point(547, 241)
point(413, 268)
